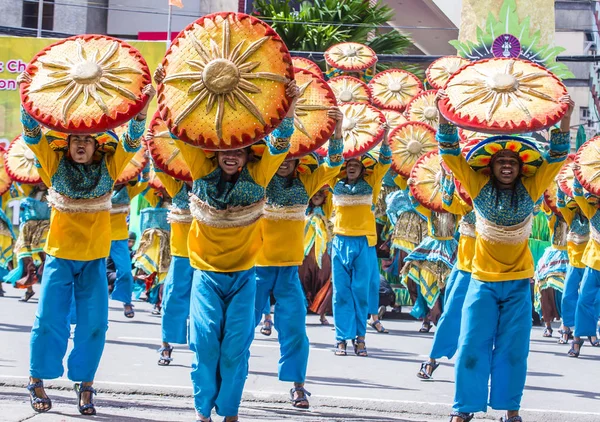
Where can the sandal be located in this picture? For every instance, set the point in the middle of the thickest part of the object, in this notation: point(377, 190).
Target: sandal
point(27, 296)
point(267, 327)
point(575, 353)
point(362, 352)
point(425, 327)
point(340, 348)
point(594, 343)
point(466, 417)
point(381, 329)
point(44, 403)
point(128, 310)
point(156, 311)
point(566, 335)
point(300, 402)
point(324, 321)
point(165, 360)
point(547, 332)
point(423, 374)
point(511, 419)
point(87, 409)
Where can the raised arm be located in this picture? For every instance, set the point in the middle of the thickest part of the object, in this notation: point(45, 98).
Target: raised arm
point(589, 210)
point(172, 185)
point(383, 165)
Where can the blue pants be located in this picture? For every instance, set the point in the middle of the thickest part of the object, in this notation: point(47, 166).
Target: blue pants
point(374, 287)
point(221, 332)
point(290, 318)
point(588, 305)
point(63, 279)
point(352, 262)
point(445, 339)
point(119, 253)
point(571, 295)
point(494, 340)
point(176, 300)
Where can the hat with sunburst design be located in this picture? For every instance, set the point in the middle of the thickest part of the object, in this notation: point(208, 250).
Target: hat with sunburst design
point(5, 180)
point(394, 118)
point(460, 189)
point(480, 155)
point(566, 177)
point(550, 194)
point(503, 95)
point(350, 56)
point(20, 162)
point(425, 182)
point(588, 169)
point(441, 69)
point(409, 142)
point(165, 154)
point(85, 84)
point(394, 88)
point(306, 64)
point(363, 129)
point(107, 141)
point(470, 135)
point(422, 108)
point(136, 164)
point(350, 90)
point(225, 84)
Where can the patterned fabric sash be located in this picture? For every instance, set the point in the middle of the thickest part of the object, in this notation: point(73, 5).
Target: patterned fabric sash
point(178, 215)
point(65, 204)
point(119, 209)
point(595, 234)
point(560, 234)
point(227, 218)
point(578, 239)
point(295, 212)
point(352, 200)
point(508, 235)
point(466, 229)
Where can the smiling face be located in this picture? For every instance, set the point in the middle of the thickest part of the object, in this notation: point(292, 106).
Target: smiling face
point(287, 168)
point(506, 167)
point(318, 199)
point(82, 148)
point(232, 161)
point(354, 170)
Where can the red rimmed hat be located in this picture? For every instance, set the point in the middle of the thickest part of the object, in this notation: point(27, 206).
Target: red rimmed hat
point(566, 177)
point(153, 181)
point(441, 69)
point(503, 95)
point(588, 170)
point(20, 163)
point(550, 194)
point(394, 88)
point(312, 125)
point(350, 56)
point(422, 108)
point(5, 180)
point(362, 129)
point(225, 84)
point(425, 182)
point(165, 154)
point(469, 135)
point(350, 90)
point(85, 84)
point(306, 64)
point(409, 142)
point(394, 118)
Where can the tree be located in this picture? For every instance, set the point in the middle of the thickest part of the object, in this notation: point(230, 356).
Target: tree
point(316, 25)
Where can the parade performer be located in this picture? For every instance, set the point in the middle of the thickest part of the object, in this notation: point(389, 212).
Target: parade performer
point(577, 239)
point(551, 270)
point(315, 271)
point(354, 259)
point(496, 322)
point(122, 196)
point(287, 197)
point(587, 312)
point(81, 181)
point(7, 238)
point(445, 339)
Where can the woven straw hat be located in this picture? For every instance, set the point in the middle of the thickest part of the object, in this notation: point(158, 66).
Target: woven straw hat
point(306, 64)
point(503, 96)
point(225, 85)
point(20, 162)
point(425, 182)
point(5, 180)
point(394, 118)
point(550, 194)
point(85, 84)
point(441, 69)
point(422, 108)
point(165, 154)
point(394, 88)
point(350, 90)
point(350, 56)
point(566, 177)
point(588, 159)
point(136, 164)
point(409, 142)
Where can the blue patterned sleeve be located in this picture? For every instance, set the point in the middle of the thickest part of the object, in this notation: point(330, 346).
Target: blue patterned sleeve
point(32, 131)
point(560, 144)
point(577, 188)
point(132, 139)
point(448, 187)
point(447, 137)
point(385, 154)
point(279, 139)
point(335, 152)
point(560, 198)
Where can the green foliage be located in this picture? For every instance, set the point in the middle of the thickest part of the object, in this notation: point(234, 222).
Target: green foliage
point(540, 229)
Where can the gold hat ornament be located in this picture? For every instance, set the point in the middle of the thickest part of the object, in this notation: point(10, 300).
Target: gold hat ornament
point(422, 108)
point(85, 84)
point(441, 69)
point(588, 159)
point(394, 88)
point(425, 182)
point(306, 64)
point(409, 142)
point(225, 84)
point(350, 90)
point(165, 154)
point(20, 162)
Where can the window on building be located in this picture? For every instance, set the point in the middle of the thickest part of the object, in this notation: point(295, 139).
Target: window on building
point(584, 113)
point(30, 14)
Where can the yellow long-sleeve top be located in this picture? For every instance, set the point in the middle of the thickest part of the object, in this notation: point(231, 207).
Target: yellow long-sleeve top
point(353, 204)
point(579, 229)
point(80, 194)
point(225, 235)
point(503, 216)
point(285, 211)
point(466, 228)
point(558, 228)
point(121, 198)
point(179, 217)
point(591, 254)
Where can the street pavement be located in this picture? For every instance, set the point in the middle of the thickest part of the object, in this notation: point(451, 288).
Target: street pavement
point(382, 387)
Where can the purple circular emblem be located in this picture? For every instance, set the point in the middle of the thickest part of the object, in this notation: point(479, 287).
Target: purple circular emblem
point(506, 45)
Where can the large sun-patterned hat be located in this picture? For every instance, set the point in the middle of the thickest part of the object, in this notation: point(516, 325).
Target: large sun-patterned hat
point(5, 180)
point(225, 84)
point(362, 129)
point(350, 90)
point(107, 141)
point(136, 164)
point(165, 154)
point(425, 182)
point(503, 96)
point(441, 69)
point(306, 64)
point(20, 162)
point(350, 56)
point(566, 177)
point(466, 135)
point(409, 142)
point(312, 125)
point(85, 84)
point(422, 108)
point(550, 194)
point(394, 118)
point(481, 154)
point(588, 159)
point(394, 88)
point(460, 189)
point(153, 180)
